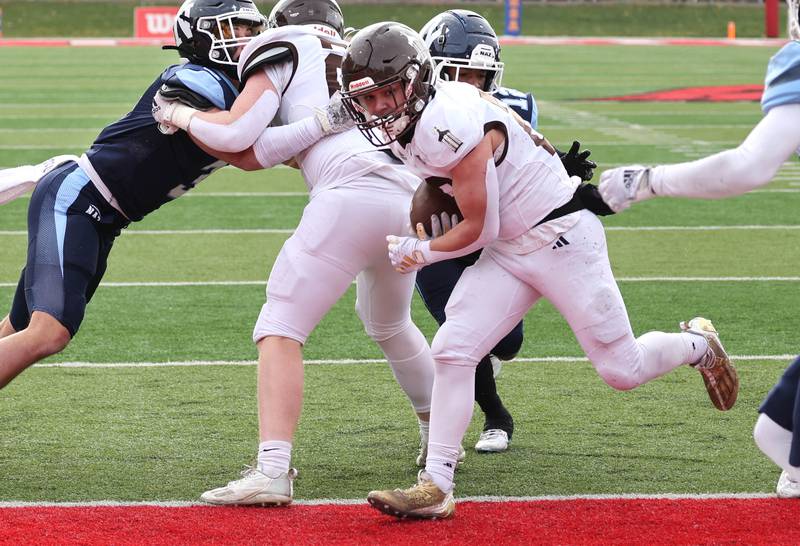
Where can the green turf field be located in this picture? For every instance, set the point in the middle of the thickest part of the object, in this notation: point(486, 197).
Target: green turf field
point(168, 433)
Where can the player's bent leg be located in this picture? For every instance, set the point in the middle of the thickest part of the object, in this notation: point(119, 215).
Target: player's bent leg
point(383, 303)
point(586, 294)
point(775, 442)
point(44, 336)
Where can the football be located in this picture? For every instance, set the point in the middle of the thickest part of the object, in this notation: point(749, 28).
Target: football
point(429, 200)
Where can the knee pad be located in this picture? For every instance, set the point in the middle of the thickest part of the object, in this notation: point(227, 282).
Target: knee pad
point(618, 363)
point(381, 332)
point(448, 354)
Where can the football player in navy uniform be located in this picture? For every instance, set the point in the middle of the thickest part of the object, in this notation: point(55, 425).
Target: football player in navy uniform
point(734, 172)
point(79, 207)
point(465, 48)
point(540, 237)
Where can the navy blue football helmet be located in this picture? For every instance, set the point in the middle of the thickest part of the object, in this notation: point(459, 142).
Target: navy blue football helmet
point(460, 39)
point(205, 31)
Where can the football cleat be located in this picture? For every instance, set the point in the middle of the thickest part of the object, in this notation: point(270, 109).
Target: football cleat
point(494, 440)
point(423, 500)
point(719, 375)
point(254, 487)
point(786, 488)
point(422, 457)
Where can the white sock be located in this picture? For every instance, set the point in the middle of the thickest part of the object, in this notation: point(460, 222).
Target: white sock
point(274, 457)
point(424, 430)
point(697, 346)
point(775, 441)
point(662, 352)
point(441, 464)
point(451, 410)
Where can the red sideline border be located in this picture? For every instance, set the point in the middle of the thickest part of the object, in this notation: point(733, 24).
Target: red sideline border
point(585, 522)
point(504, 40)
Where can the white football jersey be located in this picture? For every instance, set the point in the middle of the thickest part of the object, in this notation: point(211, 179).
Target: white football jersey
point(305, 81)
point(532, 180)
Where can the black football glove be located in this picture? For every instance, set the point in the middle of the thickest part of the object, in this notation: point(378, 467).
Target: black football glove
point(578, 164)
point(591, 199)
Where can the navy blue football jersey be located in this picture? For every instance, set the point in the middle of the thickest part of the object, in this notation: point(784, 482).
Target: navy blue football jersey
point(522, 103)
point(145, 168)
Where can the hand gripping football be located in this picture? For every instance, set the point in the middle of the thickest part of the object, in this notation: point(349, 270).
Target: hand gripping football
point(429, 200)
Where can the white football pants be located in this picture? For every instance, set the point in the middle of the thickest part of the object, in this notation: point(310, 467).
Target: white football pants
point(342, 237)
point(494, 295)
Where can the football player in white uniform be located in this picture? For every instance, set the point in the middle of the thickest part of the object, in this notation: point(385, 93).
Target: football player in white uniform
point(519, 205)
point(464, 47)
point(358, 194)
point(733, 172)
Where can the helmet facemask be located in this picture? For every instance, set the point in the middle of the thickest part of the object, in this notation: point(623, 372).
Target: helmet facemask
point(383, 129)
point(229, 33)
point(482, 58)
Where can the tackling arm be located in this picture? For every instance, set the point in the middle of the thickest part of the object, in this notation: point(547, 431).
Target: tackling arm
point(237, 129)
point(732, 172)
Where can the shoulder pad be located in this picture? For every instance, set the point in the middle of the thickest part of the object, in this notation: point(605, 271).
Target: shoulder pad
point(272, 46)
point(201, 85)
point(449, 127)
point(782, 83)
point(186, 96)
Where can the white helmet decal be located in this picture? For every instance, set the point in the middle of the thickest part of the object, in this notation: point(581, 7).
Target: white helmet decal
point(185, 24)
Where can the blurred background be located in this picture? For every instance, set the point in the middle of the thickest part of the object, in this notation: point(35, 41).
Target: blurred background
point(693, 18)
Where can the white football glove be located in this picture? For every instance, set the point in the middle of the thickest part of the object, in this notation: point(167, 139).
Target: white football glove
point(171, 114)
point(407, 254)
point(624, 186)
point(440, 224)
point(334, 118)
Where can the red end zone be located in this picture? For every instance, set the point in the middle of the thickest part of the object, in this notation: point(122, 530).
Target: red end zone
point(576, 521)
point(714, 93)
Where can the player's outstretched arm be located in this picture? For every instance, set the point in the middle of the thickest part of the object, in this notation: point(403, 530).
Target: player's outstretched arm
point(277, 145)
point(732, 172)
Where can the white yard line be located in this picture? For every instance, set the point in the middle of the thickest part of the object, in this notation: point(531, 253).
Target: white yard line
point(339, 502)
point(341, 361)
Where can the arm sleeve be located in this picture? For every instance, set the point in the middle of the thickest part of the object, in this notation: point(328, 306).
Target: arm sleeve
point(734, 172)
point(279, 144)
point(242, 133)
point(491, 222)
